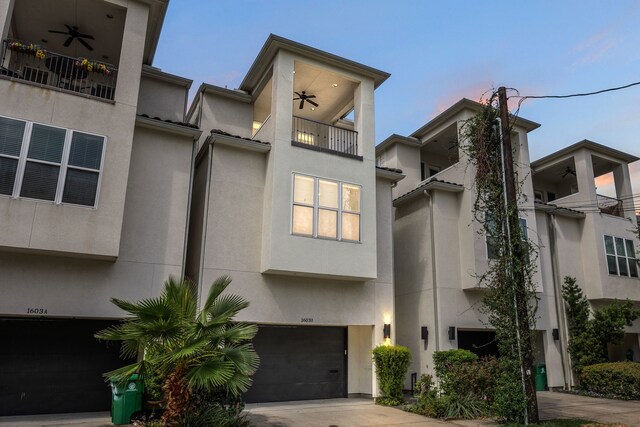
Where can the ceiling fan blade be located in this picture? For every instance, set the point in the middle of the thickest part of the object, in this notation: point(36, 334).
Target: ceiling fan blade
point(85, 44)
point(70, 28)
point(312, 103)
point(310, 96)
point(301, 104)
point(58, 32)
point(295, 99)
point(297, 93)
point(68, 42)
point(85, 36)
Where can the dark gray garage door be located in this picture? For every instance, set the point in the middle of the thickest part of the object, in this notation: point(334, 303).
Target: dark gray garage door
point(299, 363)
point(54, 366)
point(482, 343)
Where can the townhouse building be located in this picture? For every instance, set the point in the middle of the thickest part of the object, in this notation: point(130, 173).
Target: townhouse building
point(288, 201)
point(440, 249)
point(95, 169)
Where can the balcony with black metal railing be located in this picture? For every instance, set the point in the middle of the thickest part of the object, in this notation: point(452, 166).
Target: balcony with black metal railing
point(30, 62)
point(610, 206)
point(324, 137)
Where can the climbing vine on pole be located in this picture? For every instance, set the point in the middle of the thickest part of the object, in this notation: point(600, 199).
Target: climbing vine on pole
point(510, 300)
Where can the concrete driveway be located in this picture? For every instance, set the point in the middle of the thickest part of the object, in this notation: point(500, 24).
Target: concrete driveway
point(564, 405)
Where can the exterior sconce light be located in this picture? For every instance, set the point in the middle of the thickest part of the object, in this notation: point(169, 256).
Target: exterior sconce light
point(387, 331)
point(424, 333)
point(556, 334)
point(452, 333)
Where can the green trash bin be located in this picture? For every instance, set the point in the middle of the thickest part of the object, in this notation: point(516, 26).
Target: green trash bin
point(126, 399)
point(541, 377)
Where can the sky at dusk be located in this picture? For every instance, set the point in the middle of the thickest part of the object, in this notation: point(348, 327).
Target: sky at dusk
point(439, 52)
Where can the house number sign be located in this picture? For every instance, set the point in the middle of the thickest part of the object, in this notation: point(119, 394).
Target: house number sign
point(32, 310)
point(306, 320)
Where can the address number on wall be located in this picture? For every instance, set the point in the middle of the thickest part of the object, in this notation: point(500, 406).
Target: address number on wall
point(306, 320)
point(31, 310)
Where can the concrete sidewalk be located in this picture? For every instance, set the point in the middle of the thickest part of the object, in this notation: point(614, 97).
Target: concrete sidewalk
point(565, 405)
point(362, 412)
point(81, 419)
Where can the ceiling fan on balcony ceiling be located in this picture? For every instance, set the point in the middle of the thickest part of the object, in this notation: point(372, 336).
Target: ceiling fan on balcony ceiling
point(304, 97)
point(73, 33)
point(569, 171)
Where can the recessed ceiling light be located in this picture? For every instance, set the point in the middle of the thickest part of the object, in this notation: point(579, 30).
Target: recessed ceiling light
point(313, 109)
point(335, 85)
point(110, 16)
point(294, 71)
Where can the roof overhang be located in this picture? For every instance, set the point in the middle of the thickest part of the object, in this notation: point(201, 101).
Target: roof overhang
point(391, 175)
point(158, 74)
point(397, 139)
point(589, 145)
point(157, 12)
point(432, 184)
point(558, 210)
point(237, 142)
point(467, 104)
point(275, 43)
point(174, 128)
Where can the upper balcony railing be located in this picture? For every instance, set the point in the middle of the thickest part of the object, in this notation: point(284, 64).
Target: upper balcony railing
point(323, 137)
point(31, 62)
point(610, 206)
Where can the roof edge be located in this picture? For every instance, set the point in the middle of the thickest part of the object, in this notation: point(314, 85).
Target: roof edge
point(394, 139)
point(157, 73)
point(591, 145)
point(461, 105)
point(274, 43)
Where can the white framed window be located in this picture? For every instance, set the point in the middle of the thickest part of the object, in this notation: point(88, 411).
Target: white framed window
point(621, 256)
point(43, 162)
point(325, 208)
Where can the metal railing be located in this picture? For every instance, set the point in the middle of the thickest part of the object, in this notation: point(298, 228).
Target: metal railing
point(324, 137)
point(610, 205)
point(32, 62)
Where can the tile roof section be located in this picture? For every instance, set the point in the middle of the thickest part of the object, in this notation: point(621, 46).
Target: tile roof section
point(550, 207)
point(424, 185)
point(394, 170)
point(188, 125)
point(221, 132)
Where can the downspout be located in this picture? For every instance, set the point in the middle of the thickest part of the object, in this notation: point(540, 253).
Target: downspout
point(433, 271)
point(560, 314)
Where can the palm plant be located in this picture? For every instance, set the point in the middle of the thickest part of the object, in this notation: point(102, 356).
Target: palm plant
point(197, 351)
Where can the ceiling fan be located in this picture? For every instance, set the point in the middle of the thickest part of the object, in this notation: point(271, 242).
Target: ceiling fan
point(569, 171)
point(304, 97)
point(73, 33)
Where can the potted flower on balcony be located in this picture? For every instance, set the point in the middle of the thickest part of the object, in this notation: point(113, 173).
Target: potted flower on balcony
point(93, 66)
point(28, 48)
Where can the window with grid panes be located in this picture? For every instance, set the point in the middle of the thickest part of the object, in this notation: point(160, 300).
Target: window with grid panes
point(325, 208)
point(49, 163)
point(621, 256)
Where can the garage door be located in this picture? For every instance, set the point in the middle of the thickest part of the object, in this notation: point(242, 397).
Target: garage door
point(299, 363)
point(54, 366)
point(482, 343)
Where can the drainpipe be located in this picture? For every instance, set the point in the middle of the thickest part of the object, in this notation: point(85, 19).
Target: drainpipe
point(433, 271)
point(560, 313)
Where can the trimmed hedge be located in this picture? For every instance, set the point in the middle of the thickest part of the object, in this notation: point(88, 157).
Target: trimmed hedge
point(621, 379)
point(392, 362)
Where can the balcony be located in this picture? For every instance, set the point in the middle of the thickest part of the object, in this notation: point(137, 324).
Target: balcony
point(31, 62)
point(323, 137)
point(610, 206)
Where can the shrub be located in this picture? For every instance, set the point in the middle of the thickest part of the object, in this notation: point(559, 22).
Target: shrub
point(424, 387)
point(391, 363)
point(619, 379)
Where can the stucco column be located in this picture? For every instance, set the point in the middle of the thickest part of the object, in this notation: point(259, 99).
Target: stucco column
point(363, 103)
point(130, 66)
point(623, 189)
point(6, 11)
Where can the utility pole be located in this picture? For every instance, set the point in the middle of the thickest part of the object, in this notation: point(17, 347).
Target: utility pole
point(517, 272)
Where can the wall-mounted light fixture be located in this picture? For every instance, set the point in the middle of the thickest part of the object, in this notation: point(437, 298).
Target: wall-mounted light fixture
point(452, 333)
point(424, 333)
point(387, 331)
point(556, 334)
